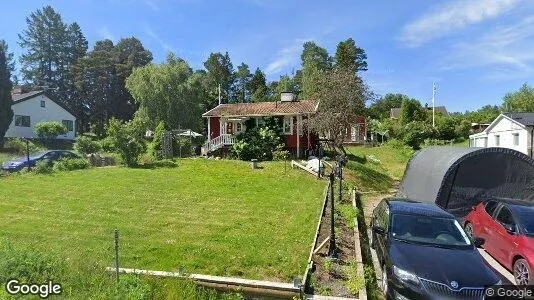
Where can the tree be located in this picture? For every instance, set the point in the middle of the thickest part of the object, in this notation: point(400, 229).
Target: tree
point(50, 129)
point(381, 108)
point(243, 79)
point(411, 110)
point(350, 56)
point(46, 59)
point(315, 62)
point(127, 137)
point(343, 95)
point(485, 114)
point(6, 112)
point(286, 84)
point(220, 71)
point(169, 92)
point(74, 96)
point(520, 101)
point(258, 86)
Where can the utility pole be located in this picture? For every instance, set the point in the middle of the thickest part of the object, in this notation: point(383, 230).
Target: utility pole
point(219, 89)
point(433, 104)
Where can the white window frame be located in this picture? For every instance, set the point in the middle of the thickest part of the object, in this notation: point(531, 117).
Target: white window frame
point(284, 125)
point(515, 139)
point(21, 123)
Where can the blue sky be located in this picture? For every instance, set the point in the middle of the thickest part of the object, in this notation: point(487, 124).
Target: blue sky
point(476, 50)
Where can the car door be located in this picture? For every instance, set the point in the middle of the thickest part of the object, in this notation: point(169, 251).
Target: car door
point(502, 241)
point(378, 222)
point(483, 218)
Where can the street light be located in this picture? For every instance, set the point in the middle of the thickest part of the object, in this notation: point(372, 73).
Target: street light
point(28, 153)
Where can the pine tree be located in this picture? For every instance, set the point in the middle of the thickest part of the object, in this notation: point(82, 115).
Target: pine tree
point(350, 56)
point(6, 113)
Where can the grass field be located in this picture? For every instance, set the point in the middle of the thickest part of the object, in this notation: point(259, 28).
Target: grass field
point(212, 217)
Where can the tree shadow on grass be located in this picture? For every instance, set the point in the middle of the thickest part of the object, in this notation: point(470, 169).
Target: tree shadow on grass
point(369, 179)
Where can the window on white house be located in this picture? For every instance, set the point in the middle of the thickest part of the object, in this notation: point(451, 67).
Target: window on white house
point(515, 137)
point(69, 124)
point(485, 141)
point(22, 121)
point(497, 140)
point(288, 125)
point(43, 103)
point(239, 127)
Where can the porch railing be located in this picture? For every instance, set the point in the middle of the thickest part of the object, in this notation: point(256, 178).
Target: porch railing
point(218, 142)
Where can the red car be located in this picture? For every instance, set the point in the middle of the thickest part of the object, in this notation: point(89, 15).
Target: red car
point(508, 230)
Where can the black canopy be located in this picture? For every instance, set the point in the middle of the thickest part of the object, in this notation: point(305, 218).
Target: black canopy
point(458, 178)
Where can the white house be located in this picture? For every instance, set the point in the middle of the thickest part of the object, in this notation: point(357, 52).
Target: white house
point(30, 108)
point(508, 130)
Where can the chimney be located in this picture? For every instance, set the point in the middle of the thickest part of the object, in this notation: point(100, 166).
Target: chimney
point(287, 97)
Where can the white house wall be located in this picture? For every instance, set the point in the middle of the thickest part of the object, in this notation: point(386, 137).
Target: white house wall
point(32, 107)
point(505, 129)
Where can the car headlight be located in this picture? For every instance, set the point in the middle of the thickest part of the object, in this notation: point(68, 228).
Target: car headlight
point(406, 276)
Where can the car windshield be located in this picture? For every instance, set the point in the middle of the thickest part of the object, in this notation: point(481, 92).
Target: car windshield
point(37, 155)
point(433, 231)
point(525, 218)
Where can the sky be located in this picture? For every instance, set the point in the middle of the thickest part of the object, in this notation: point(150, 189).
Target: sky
point(475, 50)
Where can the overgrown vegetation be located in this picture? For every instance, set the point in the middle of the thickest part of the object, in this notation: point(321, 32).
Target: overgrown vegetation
point(50, 129)
point(262, 143)
point(86, 145)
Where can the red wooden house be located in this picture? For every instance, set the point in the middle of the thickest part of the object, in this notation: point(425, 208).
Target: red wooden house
point(227, 120)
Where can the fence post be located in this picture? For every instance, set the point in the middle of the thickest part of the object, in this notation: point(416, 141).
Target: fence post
point(332, 247)
point(117, 254)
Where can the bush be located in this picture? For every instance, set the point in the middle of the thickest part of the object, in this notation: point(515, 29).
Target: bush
point(258, 143)
point(280, 154)
point(71, 164)
point(127, 139)
point(50, 129)
point(85, 145)
point(156, 146)
point(107, 145)
point(165, 163)
point(42, 167)
point(18, 146)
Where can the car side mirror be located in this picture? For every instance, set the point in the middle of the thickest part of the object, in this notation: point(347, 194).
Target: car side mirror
point(378, 230)
point(478, 242)
point(509, 228)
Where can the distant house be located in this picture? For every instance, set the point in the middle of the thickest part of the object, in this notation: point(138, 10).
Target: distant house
point(508, 130)
point(227, 120)
point(395, 112)
point(32, 107)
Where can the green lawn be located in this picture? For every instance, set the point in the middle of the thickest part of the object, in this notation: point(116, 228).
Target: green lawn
point(390, 161)
point(212, 217)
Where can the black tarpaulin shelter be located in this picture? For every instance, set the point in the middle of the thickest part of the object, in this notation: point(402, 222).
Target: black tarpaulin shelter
point(457, 179)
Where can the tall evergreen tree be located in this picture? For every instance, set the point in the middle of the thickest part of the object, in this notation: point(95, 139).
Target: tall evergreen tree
point(46, 59)
point(348, 55)
point(315, 62)
point(6, 113)
point(220, 71)
point(243, 80)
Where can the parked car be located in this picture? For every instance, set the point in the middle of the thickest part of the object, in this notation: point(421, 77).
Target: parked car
point(508, 228)
point(425, 254)
point(49, 156)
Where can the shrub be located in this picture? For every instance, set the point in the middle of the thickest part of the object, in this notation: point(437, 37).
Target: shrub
point(127, 139)
point(107, 145)
point(165, 163)
point(50, 129)
point(415, 133)
point(71, 164)
point(18, 146)
point(85, 145)
point(258, 143)
point(42, 167)
point(280, 154)
point(156, 146)
point(131, 287)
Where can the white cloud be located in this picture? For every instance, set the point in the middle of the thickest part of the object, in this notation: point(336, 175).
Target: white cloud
point(105, 33)
point(156, 37)
point(286, 57)
point(452, 16)
point(152, 4)
point(503, 49)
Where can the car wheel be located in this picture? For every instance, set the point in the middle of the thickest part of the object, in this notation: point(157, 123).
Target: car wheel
point(522, 272)
point(469, 230)
point(385, 281)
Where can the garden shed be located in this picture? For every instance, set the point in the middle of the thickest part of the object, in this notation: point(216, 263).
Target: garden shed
point(457, 179)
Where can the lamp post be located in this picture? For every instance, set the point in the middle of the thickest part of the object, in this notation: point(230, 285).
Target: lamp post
point(28, 153)
point(332, 246)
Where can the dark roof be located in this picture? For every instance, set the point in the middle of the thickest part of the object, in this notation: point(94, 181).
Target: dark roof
point(406, 206)
point(395, 112)
point(25, 96)
point(458, 178)
point(263, 109)
point(526, 119)
point(17, 98)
